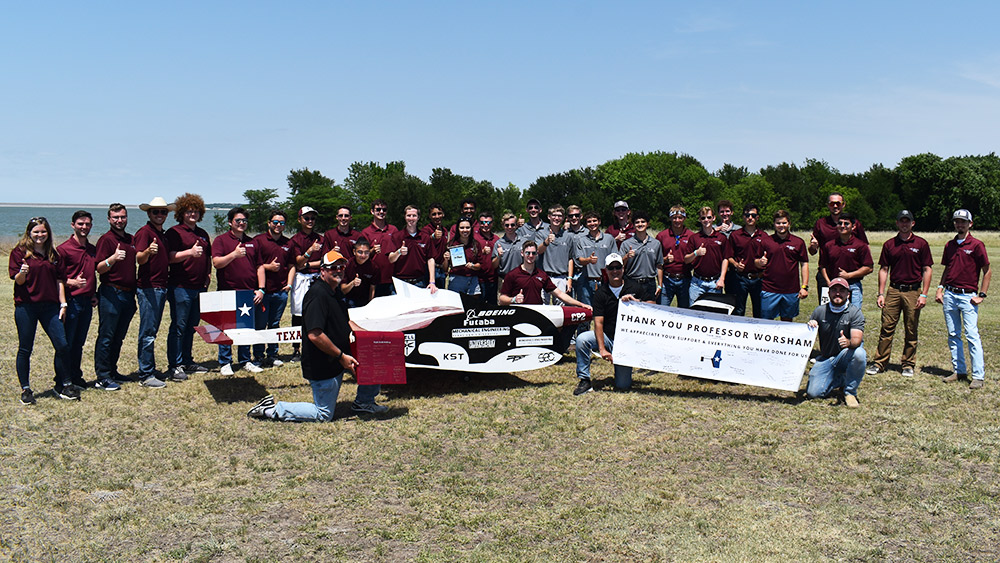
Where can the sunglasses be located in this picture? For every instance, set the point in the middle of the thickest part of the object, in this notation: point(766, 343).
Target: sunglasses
point(485, 223)
point(381, 209)
point(532, 207)
point(38, 220)
point(615, 267)
point(277, 222)
point(509, 225)
point(158, 211)
point(749, 214)
point(837, 203)
point(844, 224)
point(530, 253)
point(575, 215)
point(308, 217)
point(240, 221)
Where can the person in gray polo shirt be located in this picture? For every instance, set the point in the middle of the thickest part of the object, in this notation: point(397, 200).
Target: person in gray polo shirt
point(589, 253)
point(534, 228)
point(507, 250)
point(555, 252)
point(643, 256)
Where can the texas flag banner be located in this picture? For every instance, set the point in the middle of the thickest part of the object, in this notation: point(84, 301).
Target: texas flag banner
point(225, 310)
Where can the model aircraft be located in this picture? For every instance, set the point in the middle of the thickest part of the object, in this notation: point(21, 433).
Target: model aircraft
point(445, 330)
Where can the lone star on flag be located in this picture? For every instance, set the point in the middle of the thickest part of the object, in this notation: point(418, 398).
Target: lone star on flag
point(245, 310)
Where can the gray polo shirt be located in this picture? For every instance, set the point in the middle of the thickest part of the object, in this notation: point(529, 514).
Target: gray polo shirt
point(727, 233)
point(526, 231)
point(603, 245)
point(648, 257)
point(555, 261)
point(830, 325)
point(511, 254)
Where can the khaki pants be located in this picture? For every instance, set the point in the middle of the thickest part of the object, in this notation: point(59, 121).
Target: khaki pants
point(896, 301)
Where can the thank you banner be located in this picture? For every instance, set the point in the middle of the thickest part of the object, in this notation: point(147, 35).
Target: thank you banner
point(713, 346)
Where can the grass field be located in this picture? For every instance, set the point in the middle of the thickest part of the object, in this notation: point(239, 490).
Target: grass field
point(508, 467)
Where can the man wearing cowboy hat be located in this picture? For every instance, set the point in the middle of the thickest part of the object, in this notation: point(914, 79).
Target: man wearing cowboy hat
point(153, 257)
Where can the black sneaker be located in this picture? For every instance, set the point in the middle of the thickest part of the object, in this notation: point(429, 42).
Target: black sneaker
point(296, 357)
point(178, 374)
point(373, 408)
point(258, 411)
point(195, 368)
point(80, 382)
point(582, 387)
point(68, 393)
point(27, 397)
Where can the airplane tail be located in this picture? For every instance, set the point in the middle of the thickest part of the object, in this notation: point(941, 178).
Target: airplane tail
point(222, 311)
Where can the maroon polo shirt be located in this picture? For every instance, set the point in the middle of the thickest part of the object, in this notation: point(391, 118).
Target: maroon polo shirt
point(962, 263)
point(825, 230)
point(906, 259)
point(78, 259)
point(744, 246)
point(473, 255)
point(121, 273)
point(847, 256)
point(191, 273)
point(614, 230)
point(532, 284)
point(418, 250)
point(488, 273)
point(42, 282)
point(375, 236)
point(345, 241)
point(716, 250)
point(269, 249)
point(368, 273)
point(241, 273)
point(783, 260)
point(676, 244)
point(154, 272)
point(440, 244)
point(301, 243)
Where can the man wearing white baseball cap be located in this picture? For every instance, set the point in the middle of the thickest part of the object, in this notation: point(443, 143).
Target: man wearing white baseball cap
point(605, 304)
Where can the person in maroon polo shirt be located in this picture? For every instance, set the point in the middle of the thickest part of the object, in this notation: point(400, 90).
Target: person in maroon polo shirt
point(384, 252)
point(235, 258)
point(152, 253)
point(415, 264)
point(360, 276)
point(343, 237)
point(847, 257)
point(744, 245)
point(40, 298)
point(307, 245)
point(116, 266)
point(784, 261)
point(464, 278)
point(190, 274)
point(708, 251)
point(488, 275)
point(275, 276)
point(676, 274)
point(960, 294)
point(825, 230)
point(436, 231)
point(524, 284)
point(466, 209)
point(905, 266)
point(79, 259)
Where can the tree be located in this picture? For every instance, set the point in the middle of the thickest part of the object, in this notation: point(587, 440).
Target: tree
point(258, 205)
point(312, 188)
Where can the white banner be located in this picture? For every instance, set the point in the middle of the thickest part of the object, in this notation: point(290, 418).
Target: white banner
point(713, 346)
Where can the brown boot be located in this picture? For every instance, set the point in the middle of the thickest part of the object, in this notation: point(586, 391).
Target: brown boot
point(951, 378)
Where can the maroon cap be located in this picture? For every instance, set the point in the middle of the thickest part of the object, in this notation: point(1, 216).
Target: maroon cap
point(841, 282)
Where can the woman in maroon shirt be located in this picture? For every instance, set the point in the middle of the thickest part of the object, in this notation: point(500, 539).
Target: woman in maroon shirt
point(39, 297)
point(465, 278)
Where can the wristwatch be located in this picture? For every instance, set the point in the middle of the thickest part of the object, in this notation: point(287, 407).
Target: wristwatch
point(982, 294)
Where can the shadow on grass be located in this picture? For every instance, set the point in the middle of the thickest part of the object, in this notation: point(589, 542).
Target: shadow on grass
point(711, 389)
point(430, 383)
point(235, 390)
point(934, 370)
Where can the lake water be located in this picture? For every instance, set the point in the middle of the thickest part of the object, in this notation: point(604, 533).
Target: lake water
point(13, 220)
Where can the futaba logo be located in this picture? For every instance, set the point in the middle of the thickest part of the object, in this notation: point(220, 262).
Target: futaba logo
point(483, 318)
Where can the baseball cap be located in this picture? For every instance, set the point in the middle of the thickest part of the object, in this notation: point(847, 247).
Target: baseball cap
point(534, 201)
point(621, 203)
point(306, 209)
point(963, 214)
point(904, 214)
point(612, 258)
point(841, 282)
point(331, 258)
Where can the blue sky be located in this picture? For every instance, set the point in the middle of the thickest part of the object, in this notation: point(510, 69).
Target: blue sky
point(127, 100)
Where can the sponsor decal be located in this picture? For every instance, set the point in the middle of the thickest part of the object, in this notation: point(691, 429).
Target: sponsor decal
point(409, 343)
point(516, 357)
point(480, 332)
point(485, 343)
point(546, 356)
point(533, 341)
point(483, 318)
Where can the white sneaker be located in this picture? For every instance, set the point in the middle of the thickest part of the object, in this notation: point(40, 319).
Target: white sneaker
point(252, 367)
point(227, 369)
point(277, 363)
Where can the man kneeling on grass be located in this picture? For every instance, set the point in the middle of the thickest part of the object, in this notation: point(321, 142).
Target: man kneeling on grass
point(606, 300)
point(327, 333)
point(841, 361)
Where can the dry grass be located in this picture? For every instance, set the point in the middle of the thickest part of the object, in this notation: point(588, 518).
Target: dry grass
point(510, 467)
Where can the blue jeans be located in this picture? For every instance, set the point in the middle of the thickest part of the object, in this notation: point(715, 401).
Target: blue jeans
point(961, 315)
point(226, 354)
point(587, 343)
point(440, 277)
point(79, 313)
point(274, 307)
point(325, 394)
point(856, 294)
point(843, 370)
point(488, 289)
point(151, 302)
point(27, 317)
point(700, 286)
point(185, 313)
point(743, 287)
point(680, 288)
point(115, 311)
point(463, 284)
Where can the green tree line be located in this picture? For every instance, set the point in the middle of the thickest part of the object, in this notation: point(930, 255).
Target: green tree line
point(931, 187)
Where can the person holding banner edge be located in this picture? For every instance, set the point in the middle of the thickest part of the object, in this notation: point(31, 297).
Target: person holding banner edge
point(841, 361)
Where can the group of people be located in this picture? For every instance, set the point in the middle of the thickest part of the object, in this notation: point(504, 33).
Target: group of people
point(567, 259)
